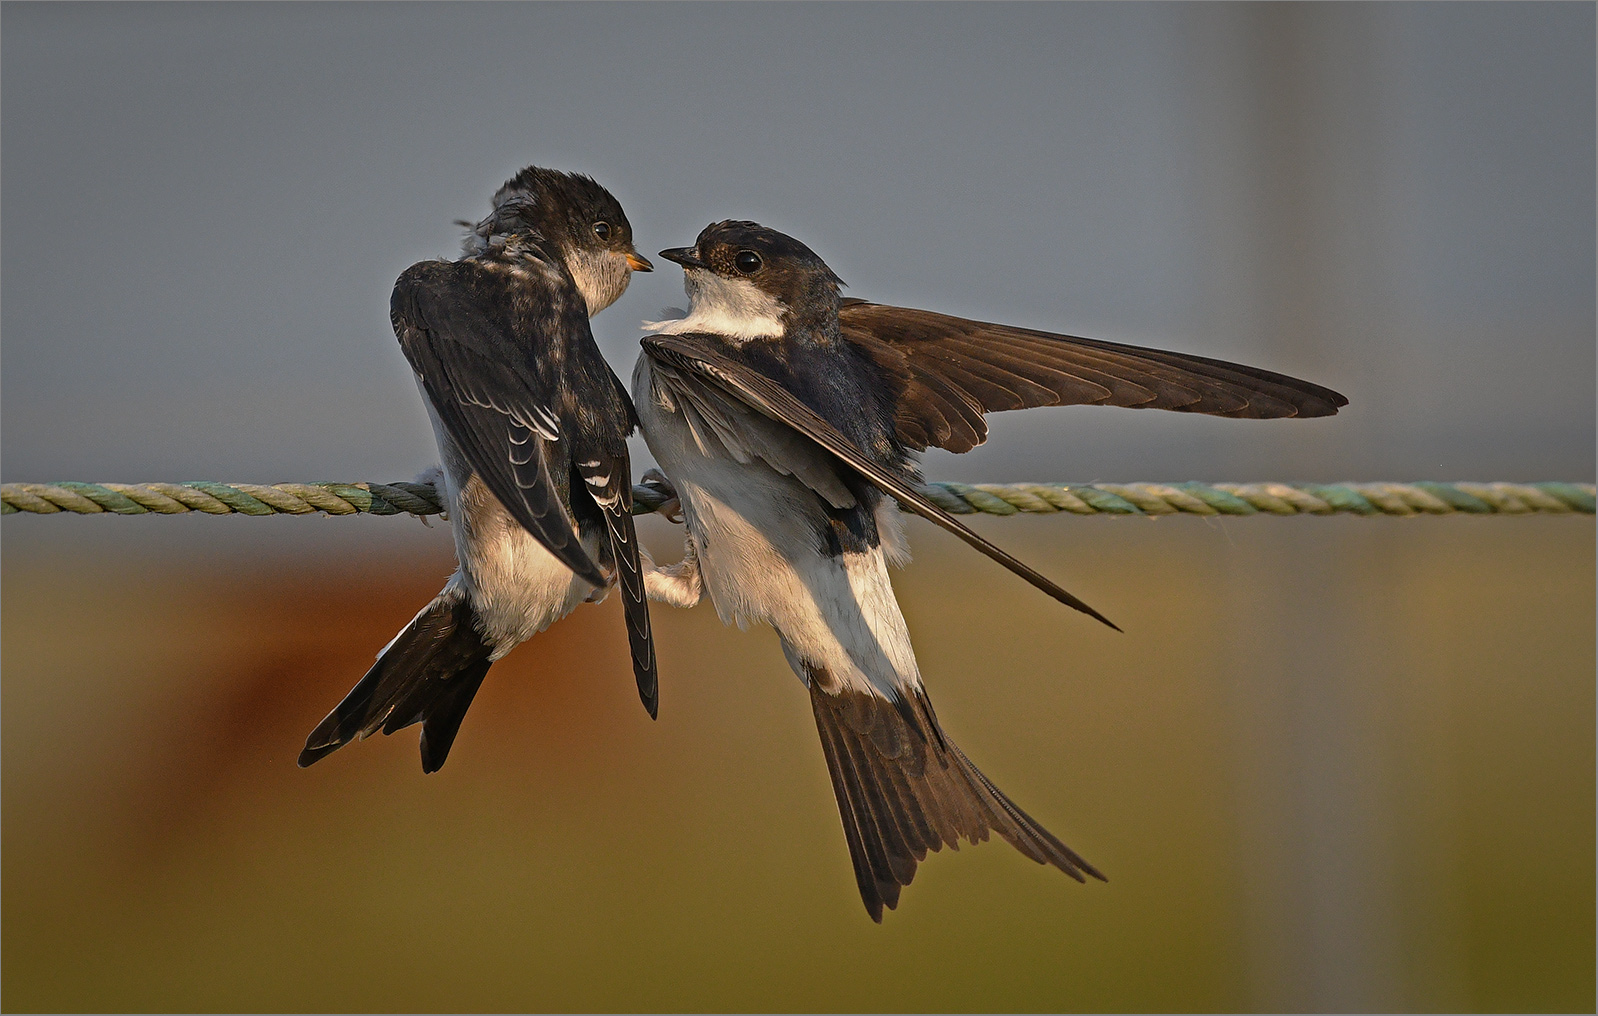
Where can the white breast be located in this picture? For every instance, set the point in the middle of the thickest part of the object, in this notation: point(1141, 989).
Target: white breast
point(736, 308)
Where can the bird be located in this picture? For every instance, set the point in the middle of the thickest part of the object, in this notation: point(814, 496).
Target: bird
point(788, 420)
point(531, 425)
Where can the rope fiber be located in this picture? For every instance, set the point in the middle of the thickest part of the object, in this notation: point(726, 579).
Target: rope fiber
point(1192, 498)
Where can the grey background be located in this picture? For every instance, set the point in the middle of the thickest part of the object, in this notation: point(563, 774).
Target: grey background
point(204, 209)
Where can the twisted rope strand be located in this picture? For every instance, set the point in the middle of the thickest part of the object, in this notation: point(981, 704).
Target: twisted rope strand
point(1192, 498)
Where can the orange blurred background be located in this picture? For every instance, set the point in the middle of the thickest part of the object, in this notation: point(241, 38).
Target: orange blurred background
point(1331, 759)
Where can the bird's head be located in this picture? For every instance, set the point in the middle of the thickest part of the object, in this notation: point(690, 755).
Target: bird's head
point(582, 220)
point(755, 281)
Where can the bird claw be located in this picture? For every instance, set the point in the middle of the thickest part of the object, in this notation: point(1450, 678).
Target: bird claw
point(433, 476)
point(671, 507)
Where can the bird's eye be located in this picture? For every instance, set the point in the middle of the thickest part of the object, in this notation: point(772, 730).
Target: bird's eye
point(602, 230)
point(747, 262)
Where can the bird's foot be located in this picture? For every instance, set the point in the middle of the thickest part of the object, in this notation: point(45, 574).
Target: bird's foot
point(670, 505)
point(433, 476)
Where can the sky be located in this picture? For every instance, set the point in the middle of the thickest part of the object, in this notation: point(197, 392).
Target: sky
point(204, 208)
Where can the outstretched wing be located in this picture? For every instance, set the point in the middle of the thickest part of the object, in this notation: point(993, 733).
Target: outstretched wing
point(489, 348)
point(697, 356)
point(954, 370)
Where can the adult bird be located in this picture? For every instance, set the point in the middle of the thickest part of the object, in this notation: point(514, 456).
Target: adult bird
point(787, 420)
point(531, 425)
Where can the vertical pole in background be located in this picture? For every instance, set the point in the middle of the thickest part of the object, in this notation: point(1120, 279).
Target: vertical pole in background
point(1288, 156)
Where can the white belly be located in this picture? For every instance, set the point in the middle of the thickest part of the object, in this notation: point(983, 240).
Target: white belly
point(516, 586)
point(762, 558)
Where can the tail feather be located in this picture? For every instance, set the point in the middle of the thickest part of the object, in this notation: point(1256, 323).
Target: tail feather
point(904, 789)
point(441, 718)
point(429, 675)
point(635, 603)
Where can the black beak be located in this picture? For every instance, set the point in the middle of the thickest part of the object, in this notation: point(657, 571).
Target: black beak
point(638, 263)
point(685, 256)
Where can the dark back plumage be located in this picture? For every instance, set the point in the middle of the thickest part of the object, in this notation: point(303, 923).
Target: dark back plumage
point(506, 357)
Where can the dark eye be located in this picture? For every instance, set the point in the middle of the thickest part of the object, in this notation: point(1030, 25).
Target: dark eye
point(602, 230)
point(747, 262)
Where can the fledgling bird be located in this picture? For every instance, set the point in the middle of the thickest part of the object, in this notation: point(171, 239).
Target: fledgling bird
point(531, 425)
point(787, 420)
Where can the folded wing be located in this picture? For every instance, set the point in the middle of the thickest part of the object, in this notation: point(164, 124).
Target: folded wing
point(691, 356)
point(492, 373)
point(953, 371)
point(609, 482)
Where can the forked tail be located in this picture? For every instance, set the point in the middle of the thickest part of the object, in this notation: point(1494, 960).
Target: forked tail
point(428, 675)
point(903, 789)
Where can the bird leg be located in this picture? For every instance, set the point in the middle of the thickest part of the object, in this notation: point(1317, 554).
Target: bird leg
point(676, 584)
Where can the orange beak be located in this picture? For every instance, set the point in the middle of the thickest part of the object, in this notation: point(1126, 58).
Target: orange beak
point(638, 262)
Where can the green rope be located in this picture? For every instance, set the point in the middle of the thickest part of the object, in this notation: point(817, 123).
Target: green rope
point(1422, 498)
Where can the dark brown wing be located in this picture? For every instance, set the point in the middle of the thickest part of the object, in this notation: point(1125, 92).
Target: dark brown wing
point(509, 364)
point(495, 380)
point(694, 355)
point(953, 371)
point(609, 482)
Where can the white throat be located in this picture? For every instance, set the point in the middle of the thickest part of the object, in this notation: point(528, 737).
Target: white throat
point(734, 308)
point(600, 276)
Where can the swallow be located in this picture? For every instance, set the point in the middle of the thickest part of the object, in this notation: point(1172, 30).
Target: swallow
point(531, 426)
point(788, 421)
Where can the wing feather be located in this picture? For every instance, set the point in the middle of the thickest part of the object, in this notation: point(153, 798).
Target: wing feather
point(692, 354)
point(952, 370)
point(609, 482)
point(723, 425)
point(477, 354)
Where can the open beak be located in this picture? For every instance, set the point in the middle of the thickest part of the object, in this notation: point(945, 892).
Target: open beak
point(638, 263)
point(685, 256)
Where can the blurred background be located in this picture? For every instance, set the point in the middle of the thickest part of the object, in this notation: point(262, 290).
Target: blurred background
point(1334, 764)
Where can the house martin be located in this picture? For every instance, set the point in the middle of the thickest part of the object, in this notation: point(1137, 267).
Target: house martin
point(531, 425)
point(788, 420)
